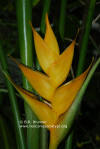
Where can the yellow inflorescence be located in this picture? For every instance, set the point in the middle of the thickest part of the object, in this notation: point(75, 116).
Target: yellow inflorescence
point(56, 67)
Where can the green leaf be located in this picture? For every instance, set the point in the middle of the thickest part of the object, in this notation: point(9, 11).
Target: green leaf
point(24, 15)
point(4, 133)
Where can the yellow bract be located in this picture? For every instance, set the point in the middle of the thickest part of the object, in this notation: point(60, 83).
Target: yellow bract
point(40, 82)
point(59, 70)
point(50, 38)
point(46, 56)
point(67, 93)
point(44, 111)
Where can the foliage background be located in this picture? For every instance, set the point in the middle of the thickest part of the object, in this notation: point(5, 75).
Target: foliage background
point(87, 125)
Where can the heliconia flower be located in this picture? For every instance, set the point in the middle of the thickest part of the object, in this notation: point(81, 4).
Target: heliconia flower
point(57, 98)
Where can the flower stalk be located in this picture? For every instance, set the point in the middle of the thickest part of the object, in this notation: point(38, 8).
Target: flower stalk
point(62, 18)
point(85, 38)
point(24, 16)
point(46, 7)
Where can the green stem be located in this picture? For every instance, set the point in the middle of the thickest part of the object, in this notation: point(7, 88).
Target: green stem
point(24, 16)
point(4, 133)
point(53, 144)
point(68, 143)
point(43, 132)
point(44, 139)
point(46, 7)
point(62, 18)
point(14, 105)
point(84, 42)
